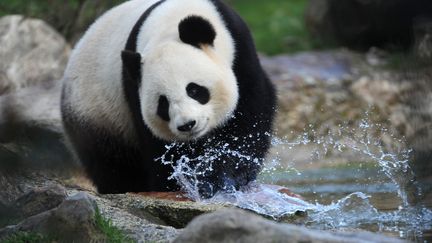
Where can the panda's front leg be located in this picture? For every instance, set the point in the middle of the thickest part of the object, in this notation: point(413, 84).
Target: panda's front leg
point(229, 174)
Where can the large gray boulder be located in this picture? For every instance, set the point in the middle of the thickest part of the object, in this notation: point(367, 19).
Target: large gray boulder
point(33, 58)
point(71, 221)
point(233, 225)
point(31, 52)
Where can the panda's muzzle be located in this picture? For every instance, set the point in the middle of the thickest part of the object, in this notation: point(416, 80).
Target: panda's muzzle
point(187, 127)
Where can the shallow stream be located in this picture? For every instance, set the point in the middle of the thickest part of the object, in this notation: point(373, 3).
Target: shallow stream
point(368, 190)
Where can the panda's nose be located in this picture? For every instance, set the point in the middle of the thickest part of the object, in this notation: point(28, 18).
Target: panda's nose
point(187, 127)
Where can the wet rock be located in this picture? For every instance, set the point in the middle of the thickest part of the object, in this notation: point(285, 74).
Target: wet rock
point(161, 211)
point(71, 221)
point(238, 226)
point(32, 53)
point(134, 224)
point(175, 210)
point(363, 24)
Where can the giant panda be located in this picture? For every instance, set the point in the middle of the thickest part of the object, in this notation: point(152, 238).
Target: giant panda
point(149, 73)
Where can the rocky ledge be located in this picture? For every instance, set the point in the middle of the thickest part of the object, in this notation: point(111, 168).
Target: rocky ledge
point(62, 214)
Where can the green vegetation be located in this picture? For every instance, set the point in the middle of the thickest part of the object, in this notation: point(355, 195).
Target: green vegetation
point(277, 25)
point(113, 234)
point(110, 234)
point(70, 17)
point(27, 237)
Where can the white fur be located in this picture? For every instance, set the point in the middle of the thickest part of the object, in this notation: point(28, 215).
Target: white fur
point(93, 81)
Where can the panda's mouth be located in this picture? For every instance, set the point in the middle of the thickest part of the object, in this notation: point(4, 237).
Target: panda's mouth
point(196, 133)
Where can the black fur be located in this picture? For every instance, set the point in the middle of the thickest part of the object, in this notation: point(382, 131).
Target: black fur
point(198, 93)
point(196, 31)
point(132, 40)
point(163, 108)
point(118, 166)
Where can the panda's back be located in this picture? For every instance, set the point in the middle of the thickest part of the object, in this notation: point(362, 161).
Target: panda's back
point(92, 80)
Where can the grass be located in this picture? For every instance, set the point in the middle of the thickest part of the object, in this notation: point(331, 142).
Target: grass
point(112, 233)
point(27, 237)
point(277, 25)
point(69, 17)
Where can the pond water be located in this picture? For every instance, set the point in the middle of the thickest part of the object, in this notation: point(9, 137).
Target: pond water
point(368, 191)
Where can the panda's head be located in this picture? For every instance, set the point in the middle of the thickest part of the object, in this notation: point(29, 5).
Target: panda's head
point(188, 88)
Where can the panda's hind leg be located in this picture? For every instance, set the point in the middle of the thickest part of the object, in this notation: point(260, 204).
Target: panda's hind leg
point(113, 165)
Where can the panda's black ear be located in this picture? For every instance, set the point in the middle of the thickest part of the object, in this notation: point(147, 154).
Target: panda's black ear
point(195, 30)
point(131, 65)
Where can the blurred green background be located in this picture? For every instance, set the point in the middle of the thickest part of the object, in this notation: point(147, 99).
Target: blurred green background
point(277, 25)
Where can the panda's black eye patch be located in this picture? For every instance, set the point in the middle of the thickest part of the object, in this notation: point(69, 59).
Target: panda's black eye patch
point(198, 93)
point(163, 108)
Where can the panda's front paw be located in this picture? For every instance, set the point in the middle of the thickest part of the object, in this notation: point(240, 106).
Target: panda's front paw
point(228, 184)
point(206, 190)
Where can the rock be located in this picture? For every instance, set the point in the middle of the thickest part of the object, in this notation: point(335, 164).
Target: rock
point(27, 148)
point(31, 107)
point(29, 80)
point(14, 186)
point(40, 200)
point(161, 211)
point(175, 210)
point(30, 122)
point(423, 38)
point(382, 93)
point(419, 121)
point(310, 68)
point(72, 221)
point(365, 23)
point(20, 200)
point(313, 88)
point(36, 54)
point(135, 224)
point(233, 225)
point(74, 214)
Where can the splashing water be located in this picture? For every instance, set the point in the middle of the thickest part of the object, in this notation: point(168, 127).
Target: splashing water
point(352, 211)
point(187, 171)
